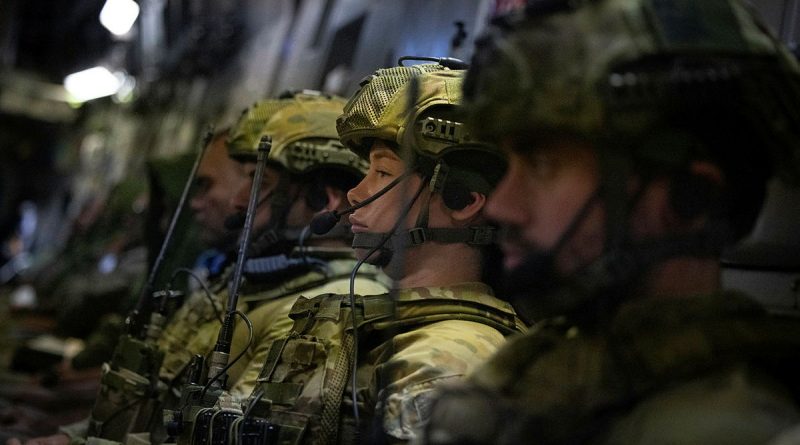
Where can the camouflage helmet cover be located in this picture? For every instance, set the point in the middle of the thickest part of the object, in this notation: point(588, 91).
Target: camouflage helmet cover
point(246, 133)
point(304, 136)
point(607, 68)
point(381, 110)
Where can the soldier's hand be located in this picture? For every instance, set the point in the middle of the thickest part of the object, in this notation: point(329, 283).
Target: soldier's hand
point(55, 439)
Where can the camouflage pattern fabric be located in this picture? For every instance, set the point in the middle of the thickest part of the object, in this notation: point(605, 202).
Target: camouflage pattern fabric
point(411, 341)
point(195, 328)
point(671, 371)
point(271, 319)
point(76, 432)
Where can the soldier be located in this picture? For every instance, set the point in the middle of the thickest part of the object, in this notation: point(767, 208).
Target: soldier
point(308, 171)
point(218, 179)
point(421, 219)
point(641, 135)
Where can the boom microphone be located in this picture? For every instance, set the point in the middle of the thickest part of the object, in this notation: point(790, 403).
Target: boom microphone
point(235, 221)
point(324, 222)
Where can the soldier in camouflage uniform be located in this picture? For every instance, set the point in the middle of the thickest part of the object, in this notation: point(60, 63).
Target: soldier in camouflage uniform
point(641, 135)
point(215, 180)
point(307, 171)
point(218, 179)
point(421, 220)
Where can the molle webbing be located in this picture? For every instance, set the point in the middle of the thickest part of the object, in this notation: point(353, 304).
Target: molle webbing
point(331, 408)
point(306, 350)
point(384, 311)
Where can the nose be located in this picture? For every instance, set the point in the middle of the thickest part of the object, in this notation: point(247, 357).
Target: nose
point(355, 194)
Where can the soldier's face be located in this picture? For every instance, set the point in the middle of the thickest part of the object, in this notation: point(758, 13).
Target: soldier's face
point(539, 197)
point(218, 178)
point(382, 214)
point(242, 196)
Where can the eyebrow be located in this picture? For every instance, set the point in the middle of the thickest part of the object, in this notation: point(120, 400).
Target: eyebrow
point(383, 153)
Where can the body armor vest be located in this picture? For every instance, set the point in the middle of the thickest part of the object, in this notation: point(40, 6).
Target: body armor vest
point(302, 384)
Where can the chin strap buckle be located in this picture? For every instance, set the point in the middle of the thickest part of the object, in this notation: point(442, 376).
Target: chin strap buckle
point(482, 235)
point(417, 236)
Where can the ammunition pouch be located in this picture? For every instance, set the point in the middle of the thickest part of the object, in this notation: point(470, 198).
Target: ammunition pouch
point(128, 389)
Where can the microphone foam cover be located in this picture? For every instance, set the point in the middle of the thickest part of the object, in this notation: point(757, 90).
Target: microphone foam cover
point(235, 221)
point(323, 223)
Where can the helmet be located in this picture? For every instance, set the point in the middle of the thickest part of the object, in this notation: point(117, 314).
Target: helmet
point(652, 85)
point(620, 70)
point(423, 98)
point(246, 133)
point(304, 136)
point(303, 131)
point(381, 109)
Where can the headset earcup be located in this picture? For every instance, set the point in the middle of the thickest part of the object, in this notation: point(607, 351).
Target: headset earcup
point(316, 199)
point(456, 197)
point(693, 195)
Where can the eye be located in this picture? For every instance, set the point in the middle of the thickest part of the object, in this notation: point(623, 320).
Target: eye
point(383, 173)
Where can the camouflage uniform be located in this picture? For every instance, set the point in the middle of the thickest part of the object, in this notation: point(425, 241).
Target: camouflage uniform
point(271, 314)
point(605, 365)
point(676, 371)
point(195, 327)
point(411, 341)
point(304, 138)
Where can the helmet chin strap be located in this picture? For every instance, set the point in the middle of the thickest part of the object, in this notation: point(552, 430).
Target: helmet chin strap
point(536, 276)
point(276, 237)
point(538, 291)
point(378, 241)
point(421, 233)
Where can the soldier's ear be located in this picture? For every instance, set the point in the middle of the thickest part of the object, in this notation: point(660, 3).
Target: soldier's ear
point(471, 211)
point(697, 192)
point(336, 198)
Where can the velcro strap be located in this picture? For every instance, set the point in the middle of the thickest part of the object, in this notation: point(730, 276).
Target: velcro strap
point(474, 236)
point(378, 306)
point(285, 393)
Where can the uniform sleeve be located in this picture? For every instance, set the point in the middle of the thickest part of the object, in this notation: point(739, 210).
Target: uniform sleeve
point(418, 362)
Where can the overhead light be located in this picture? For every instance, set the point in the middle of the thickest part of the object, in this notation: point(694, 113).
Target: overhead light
point(118, 16)
point(93, 83)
